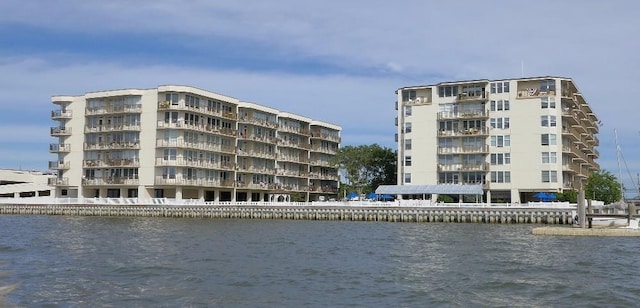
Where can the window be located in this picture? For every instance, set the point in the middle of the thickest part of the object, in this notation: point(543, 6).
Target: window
point(549, 176)
point(548, 121)
point(407, 127)
point(548, 102)
point(499, 123)
point(171, 117)
point(407, 144)
point(500, 177)
point(447, 91)
point(549, 157)
point(500, 87)
point(169, 172)
point(501, 105)
point(170, 154)
point(173, 98)
point(407, 178)
point(501, 141)
point(408, 95)
point(407, 110)
point(407, 160)
point(547, 85)
point(500, 158)
point(548, 139)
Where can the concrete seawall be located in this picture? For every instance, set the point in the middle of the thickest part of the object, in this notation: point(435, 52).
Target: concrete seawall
point(396, 214)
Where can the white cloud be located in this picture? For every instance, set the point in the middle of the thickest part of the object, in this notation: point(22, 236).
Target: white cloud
point(411, 41)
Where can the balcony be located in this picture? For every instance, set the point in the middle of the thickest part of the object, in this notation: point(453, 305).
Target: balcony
point(106, 163)
point(298, 145)
point(113, 110)
point(480, 114)
point(197, 163)
point(464, 133)
point(60, 131)
point(323, 176)
point(58, 165)
point(59, 148)
point(325, 150)
point(323, 189)
point(534, 92)
point(180, 143)
point(59, 114)
point(259, 138)
point(292, 173)
point(125, 145)
point(258, 122)
point(463, 167)
point(316, 134)
point(420, 100)
point(293, 159)
point(464, 150)
point(294, 130)
point(319, 162)
point(193, 182)
point(58, 181)
point(110, 181)
point(472, 96)
point(112, 128)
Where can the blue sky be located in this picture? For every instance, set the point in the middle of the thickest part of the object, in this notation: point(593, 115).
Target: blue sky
point(337, 61)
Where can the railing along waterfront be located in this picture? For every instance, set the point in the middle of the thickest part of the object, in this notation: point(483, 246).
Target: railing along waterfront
point(397, 211)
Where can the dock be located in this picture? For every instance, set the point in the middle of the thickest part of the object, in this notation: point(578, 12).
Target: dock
point(573, 231)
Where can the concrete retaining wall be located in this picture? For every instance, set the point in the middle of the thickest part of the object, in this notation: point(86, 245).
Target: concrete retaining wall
point(440, 214)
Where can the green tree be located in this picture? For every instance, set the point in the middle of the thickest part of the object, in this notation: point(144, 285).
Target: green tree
point(365, 167)
point(603, 186)
point(568, 196)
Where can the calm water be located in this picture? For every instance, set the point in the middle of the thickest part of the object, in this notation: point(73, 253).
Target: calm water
point(60, 261)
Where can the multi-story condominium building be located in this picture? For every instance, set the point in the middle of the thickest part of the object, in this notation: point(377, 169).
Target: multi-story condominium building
point(186, 143)
point(515, 137)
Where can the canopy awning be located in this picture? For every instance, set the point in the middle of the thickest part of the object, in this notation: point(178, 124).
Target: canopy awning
point(430, 189)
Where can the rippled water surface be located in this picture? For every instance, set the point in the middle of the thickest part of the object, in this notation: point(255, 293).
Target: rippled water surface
point(65, 261)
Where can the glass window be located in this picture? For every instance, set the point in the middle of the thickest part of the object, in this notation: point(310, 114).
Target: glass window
point(407, 127)
point(407, 160)
point(500, 176)
point(407, 144)
point(407, 177)
point(549, 176)
point(407, 110)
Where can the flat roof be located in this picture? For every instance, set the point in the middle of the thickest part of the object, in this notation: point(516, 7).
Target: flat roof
point(446, 189)
point(483, 81)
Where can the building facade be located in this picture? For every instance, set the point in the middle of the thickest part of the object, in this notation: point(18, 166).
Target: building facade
point(186, 143)
point(515, 137)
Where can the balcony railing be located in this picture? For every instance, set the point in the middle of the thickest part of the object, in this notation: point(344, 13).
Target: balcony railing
point(180, 143)
point(113, 109)
point(316, 134)
point(323, 176)
point(472, 96)
point(257, 121)
point(464, 132)
point(134, 145)
point(462, 167)
point(325, 150)
point(193, 182)
point(461, 150)
point(59, 148)
point(59, 114)
point(293, 158)
point(60, 131)
point(322, 189)
point(124, 162)
point(463, 115)
point(58, 181)
point(320, 162)
point(420, 100)
point(113, 127)
point(186, 162)
point(286, 143)
point(294, 129)
point(58, 165)
point(534, 92)
point(292, 173)
point(110, 181)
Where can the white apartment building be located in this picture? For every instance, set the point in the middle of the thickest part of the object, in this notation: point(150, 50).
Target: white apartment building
point(515, 137)
point(186, 143)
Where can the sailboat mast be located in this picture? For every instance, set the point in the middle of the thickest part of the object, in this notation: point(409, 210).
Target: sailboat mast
point(615, 131)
